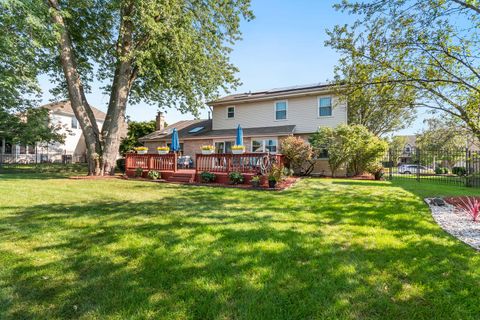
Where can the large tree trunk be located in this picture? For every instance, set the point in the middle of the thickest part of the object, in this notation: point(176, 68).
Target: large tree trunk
point(76, 93)
point(115, 125)
point(102, 148)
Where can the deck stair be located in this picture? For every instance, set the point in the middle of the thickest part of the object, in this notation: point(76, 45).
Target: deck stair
point(182, 176)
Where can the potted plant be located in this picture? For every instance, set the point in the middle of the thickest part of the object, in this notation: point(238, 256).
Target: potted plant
point(274, 176)
point(236, 149)
point(255, 181)
point(141, 150)
point(153, 175)
point(208, 149)
point(163, 150)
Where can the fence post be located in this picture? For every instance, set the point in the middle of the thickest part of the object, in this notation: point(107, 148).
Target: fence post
point(418, 163)
point(390, 165)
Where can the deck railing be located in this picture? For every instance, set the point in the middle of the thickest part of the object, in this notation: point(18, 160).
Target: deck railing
point(147, 162)
point(255, 163)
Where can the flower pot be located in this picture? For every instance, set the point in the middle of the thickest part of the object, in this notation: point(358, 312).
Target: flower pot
point(238, 151)
point(272, 183)
point(162, 151)
point(142, 151)
point(207, 151)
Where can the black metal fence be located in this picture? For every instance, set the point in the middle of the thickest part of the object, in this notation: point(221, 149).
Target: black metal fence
point(458, 167)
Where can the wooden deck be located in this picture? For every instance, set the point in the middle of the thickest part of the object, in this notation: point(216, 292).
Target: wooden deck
point(221, 164)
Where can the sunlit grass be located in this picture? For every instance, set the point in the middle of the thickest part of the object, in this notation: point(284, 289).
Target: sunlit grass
point(326, 249)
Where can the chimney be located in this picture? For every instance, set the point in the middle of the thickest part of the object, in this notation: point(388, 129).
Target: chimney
point(160, 121)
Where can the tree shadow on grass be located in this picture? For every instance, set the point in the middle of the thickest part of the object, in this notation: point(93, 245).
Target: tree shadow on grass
point(208, 254)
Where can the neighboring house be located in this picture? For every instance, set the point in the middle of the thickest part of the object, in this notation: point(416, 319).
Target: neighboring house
point(266, 117)
point(408, 152)
point(72, 150)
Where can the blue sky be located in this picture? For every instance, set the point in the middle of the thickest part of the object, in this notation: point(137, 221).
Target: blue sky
point(282, 46)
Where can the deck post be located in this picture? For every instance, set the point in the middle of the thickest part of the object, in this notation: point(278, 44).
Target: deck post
point(175, 160)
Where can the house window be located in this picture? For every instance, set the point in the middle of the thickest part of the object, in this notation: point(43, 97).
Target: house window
point(325, 107)
point(22, 149)
point(169, 145)
point(281, 110)
point(8, 148)
point(230, 112)
point(74, 123)
point(223, 146)
point(265, 145)
point(31, 149)
point(323, 154)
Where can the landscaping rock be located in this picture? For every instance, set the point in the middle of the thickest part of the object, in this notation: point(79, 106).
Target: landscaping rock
point(456, 223)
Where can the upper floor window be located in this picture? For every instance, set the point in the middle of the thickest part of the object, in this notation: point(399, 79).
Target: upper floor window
point(74, 123)
point(230, 112)
point(281, 110)
point(325, 107)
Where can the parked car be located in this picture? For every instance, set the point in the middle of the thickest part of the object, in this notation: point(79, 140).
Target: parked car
point(414, 168)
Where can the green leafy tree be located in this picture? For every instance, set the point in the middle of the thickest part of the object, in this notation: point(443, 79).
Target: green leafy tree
point(31, 126)
point(352, 146)
point(396, 146)
point(336, 142)
point(443, 141)
point(382, 107)
point(173, 53)
point(429, 47)
point(136, 130)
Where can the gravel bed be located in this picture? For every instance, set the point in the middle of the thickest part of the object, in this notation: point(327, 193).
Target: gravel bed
point(457, 223)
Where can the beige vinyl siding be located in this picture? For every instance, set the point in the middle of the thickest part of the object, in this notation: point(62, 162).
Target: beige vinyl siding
point(301, 112)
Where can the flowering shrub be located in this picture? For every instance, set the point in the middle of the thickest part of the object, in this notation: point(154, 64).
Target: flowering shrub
point(163, 148)
point(208, 147)
point(236, 147)
point(471, 206)
point(141, 149)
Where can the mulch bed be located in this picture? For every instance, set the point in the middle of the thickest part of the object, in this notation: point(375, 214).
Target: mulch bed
point(459, 202)
point(287, 183)
point(360, 177)
point(94, 177)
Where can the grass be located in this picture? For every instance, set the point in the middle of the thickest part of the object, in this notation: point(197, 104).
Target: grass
point(324, 249)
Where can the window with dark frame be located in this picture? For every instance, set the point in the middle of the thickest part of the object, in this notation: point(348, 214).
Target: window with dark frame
point(231, 112)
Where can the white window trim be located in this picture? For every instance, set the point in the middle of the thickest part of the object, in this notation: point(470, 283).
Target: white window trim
point(226, 112)
point(263, 139)
point(318, 106)
point(224, 143)
point(275, 110)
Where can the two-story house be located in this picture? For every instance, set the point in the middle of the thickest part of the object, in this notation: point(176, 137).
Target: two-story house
point(73, 149)
point(266, 117)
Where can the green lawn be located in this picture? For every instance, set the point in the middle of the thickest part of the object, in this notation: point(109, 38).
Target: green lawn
point(325, 249)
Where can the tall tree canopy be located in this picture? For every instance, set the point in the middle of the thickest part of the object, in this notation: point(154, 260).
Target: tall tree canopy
point(431, 47)
point(381, 106)
point(136, 130)
point(170, 53)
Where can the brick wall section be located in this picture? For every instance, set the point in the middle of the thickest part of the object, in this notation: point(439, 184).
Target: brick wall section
point(192, 147)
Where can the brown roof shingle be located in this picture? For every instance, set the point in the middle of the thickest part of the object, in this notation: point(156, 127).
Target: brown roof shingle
point(66, 107)
point(184, 128)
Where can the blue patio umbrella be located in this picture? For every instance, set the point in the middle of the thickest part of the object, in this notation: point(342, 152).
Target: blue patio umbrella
point(239, 139)
point(175, 146)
